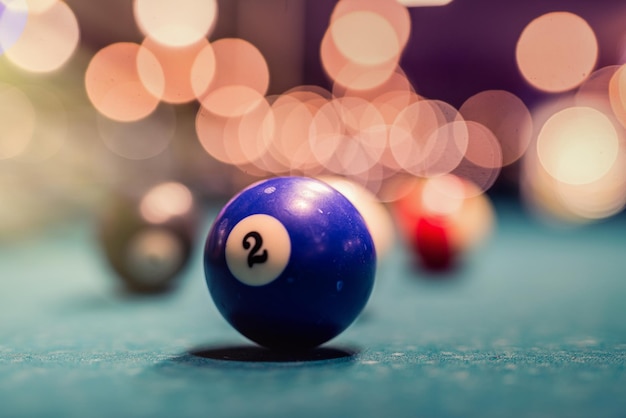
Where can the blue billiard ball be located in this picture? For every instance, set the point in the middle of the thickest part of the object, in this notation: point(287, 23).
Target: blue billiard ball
point(289, 262)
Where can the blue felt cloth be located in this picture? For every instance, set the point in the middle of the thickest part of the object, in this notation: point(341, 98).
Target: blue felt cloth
point(533, 326)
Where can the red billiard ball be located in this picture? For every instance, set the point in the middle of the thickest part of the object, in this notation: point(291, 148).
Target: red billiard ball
point(442, 219)
point(433, 244)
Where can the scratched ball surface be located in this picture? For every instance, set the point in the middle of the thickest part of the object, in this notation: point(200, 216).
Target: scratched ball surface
point(289, 263)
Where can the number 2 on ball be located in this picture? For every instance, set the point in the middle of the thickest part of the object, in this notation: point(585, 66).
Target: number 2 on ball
point(253, 256)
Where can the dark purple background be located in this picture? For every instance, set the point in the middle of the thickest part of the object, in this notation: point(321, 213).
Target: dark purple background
point(468, 46)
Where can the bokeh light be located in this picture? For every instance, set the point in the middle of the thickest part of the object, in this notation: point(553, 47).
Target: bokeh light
point(13, 15)
point(350, 74)
point(423, 3)
point(115, 86)
point(595, 91)
point(482, 161)
point(347, 135)
point(287, 127)
point(179, 23)
point(578, 145)
point(17, 121)
point(39, 6)
point(171, 94)
point(557, 51)
point(573, 204)
point(390, 97)
point(238, 139)
point(506, 116)
point(186, 69)
point(483, 148)
point(49, 39)
point(365, 38)
point(232, 101)
point(428, 138)
point(599, 199)
point(241, 74)
point(165, 201)
point(443, 195)
point(617, 94)
point(364, 41)
point(575, 172)
point(50, 131)
point(202, 70)
point(393, 12)
point(140, 139)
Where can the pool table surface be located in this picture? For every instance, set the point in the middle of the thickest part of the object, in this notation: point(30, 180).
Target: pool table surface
point(533, 324)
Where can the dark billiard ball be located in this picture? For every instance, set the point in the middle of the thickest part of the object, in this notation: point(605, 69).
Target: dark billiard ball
point(443, 219)
point(290, 263)
point(147, 240)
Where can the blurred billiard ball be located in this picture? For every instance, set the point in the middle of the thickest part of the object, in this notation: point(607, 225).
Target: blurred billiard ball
point(433, 244)
point(290, 263)
point(443, 219)
point(147, 240)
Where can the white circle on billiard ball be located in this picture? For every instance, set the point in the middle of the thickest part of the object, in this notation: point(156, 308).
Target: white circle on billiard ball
point(154, 255)
point(258, 250)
